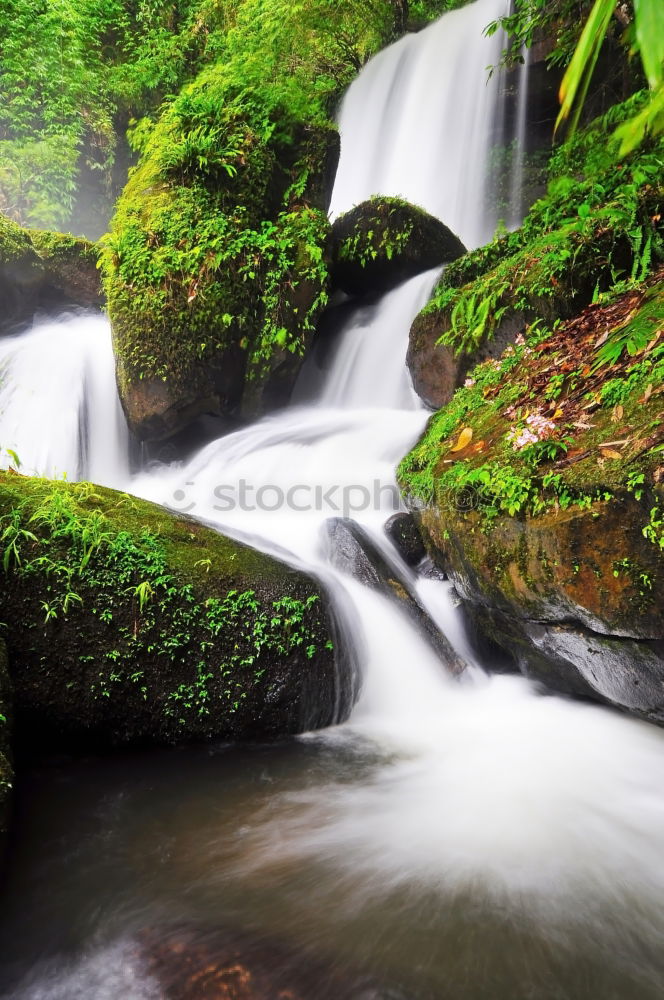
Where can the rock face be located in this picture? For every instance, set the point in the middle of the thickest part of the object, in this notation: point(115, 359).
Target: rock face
point(354, 552)
point(437, 370)
point(539, 489)
point(138, 627)
point(571, 595)
point(384, 241)
point(6, 769)
point(44, 271)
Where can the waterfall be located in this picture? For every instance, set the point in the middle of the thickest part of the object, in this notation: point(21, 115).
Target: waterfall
point(418, 123)
point(59, 407)
point(545, 814)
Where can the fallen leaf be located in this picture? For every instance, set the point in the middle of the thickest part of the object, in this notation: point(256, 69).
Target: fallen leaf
point(478, 447)
point(611, 453)
point(464, 439)
point(558, 414)
point(646, 395)
point(602, 340)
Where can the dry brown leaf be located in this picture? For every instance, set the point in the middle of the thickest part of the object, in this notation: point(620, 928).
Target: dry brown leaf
point(617, 413)
point(646, 395)
point(610, 453)
point(602, 340)
point(558, 414)
point(464, 439)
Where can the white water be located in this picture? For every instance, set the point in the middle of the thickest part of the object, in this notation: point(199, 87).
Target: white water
point(59, 407)
point(417, 123)
point(546, 810)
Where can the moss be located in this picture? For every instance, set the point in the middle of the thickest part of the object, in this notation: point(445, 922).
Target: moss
point(62, 248)
point(383, 241)
point(596, 381)
point(215, 266)
point(136, 626)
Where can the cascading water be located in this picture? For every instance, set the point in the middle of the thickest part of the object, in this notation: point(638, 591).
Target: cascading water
point(472, 840)
point(59, 407)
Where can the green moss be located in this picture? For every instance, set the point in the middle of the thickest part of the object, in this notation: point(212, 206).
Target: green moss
point(62, 248)
point(605, 433)
point(216, 256)
point(146, 610)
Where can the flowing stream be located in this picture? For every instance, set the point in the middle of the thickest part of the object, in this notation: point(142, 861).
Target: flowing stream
point(466, 840)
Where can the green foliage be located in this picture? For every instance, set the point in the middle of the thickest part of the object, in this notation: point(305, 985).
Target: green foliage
point(647, 37)
point(598, 226)
point(503, 470)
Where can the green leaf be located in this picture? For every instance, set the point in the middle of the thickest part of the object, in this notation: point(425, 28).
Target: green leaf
point(577, 77)
point(649, 15)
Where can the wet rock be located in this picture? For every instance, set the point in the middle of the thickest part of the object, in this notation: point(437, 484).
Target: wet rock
point(404, 534)
point(158, 630)
point(571, 596)
point(44, 272)
point(353, 551)
point(384, 241)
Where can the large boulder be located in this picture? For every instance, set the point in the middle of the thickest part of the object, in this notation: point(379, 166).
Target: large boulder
point(384, 241)
point(215, 267)
point(539, 489)
point(133, 626)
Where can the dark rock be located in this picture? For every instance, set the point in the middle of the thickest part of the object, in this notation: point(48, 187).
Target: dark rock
point(44, 272)
point(232, 326)
point(6, 769)
point(435, 369)
point(384, 241)
point(165, 632)
point(404, 534)
point(570, 596)
point(353, 551)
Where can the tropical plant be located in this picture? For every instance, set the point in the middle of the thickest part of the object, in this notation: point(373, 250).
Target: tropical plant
point(645, 34)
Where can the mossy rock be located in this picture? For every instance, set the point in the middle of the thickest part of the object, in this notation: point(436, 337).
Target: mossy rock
point(21, 274)
point(215, 266)
point(539, 491)
point(133, 626)
point(70, 269)
point(385, 241)
point(44, 271)
point(6, 769)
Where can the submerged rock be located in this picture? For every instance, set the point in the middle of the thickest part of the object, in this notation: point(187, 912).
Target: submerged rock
point(384, 241)
point(195, 965)
point(133, 626)
point(353, 551)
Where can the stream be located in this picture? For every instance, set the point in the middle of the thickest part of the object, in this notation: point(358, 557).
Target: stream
point(474, 839)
